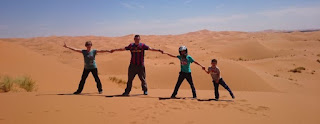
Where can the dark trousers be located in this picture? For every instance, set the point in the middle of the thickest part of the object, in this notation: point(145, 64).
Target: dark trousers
point(84, 77)
point(132, 72)
point(182, 76)
point(223, 84)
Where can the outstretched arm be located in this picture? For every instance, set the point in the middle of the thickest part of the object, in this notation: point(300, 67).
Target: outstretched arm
point(169, 54)
point(207, 71)
point(157, 50)
point(71, 48)
point(120, 49)
point(103, 51)
point(204, 68)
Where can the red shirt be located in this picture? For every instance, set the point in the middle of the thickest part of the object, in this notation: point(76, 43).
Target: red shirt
point(137, 53)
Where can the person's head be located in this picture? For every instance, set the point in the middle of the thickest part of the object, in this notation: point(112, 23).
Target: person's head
point(137, 38)
point(214, 62)
point(88, 44)
point(183, 50)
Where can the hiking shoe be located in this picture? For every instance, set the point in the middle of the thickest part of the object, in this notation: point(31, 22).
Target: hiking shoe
point(125, 94)
point(145, 92)
point(76, 92)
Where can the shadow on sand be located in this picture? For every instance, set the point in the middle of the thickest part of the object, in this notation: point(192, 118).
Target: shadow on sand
point(168, 98)
point(204, 100)
point(135, 96)
point(71, 94)
point(132, 95)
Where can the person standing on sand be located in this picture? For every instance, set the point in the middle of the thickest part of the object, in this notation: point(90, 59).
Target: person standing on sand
point(89, 65)
point(214, 71)
point(136, 64)
point(185, 73)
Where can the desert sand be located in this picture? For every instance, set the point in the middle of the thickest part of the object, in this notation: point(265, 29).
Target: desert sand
point(255, 65)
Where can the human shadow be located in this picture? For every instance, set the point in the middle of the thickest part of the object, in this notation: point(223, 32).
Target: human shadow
point(204, 100)
point(132, 95)
point(171, 98)
point(101, 95)
point(71, 94)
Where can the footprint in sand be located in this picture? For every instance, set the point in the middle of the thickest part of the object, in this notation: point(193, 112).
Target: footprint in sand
point(101, 107)
point(245, 105)
point(240, 109)
point(222, 105)
point(243, 100)
point(262, 108)
point(248, 108)
point(133, 109)
point(112, 114)
point(133, 122)
point(176, 108)
point(210, 104)
point(160, 105)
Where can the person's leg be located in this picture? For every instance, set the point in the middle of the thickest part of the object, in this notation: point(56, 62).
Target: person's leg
point(221, 81)
point(216, 90)
point(132, 71)
point(189, 79)
point(180, 80)
point(97, 79)
point(84, 76)
point(142, 77)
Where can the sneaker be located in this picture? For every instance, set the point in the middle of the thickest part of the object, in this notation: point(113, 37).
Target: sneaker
point(232, 96)
point(76, 93)
point(100, 92)
point(145, 92)
point(217, 99)
point(125, 94)
point(194, 97)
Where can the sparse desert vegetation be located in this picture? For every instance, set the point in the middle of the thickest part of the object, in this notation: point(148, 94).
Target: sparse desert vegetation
point(120, 82)
point(5, 84)
point(117, 80)
point(8, 83)
point(297, 70)
point(240, 59)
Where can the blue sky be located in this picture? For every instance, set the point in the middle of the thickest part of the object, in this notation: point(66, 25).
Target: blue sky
point(33, 18)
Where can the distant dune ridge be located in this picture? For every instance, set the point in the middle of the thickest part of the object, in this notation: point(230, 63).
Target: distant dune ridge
point(290, 31)
point(255, 65)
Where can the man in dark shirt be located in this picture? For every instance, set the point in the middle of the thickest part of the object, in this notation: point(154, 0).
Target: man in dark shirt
point(136, 63)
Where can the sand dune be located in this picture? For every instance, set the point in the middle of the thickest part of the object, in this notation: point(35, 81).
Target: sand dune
point(255, 65)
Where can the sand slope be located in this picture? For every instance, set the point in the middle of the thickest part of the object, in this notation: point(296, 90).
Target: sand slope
point(255, 65)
